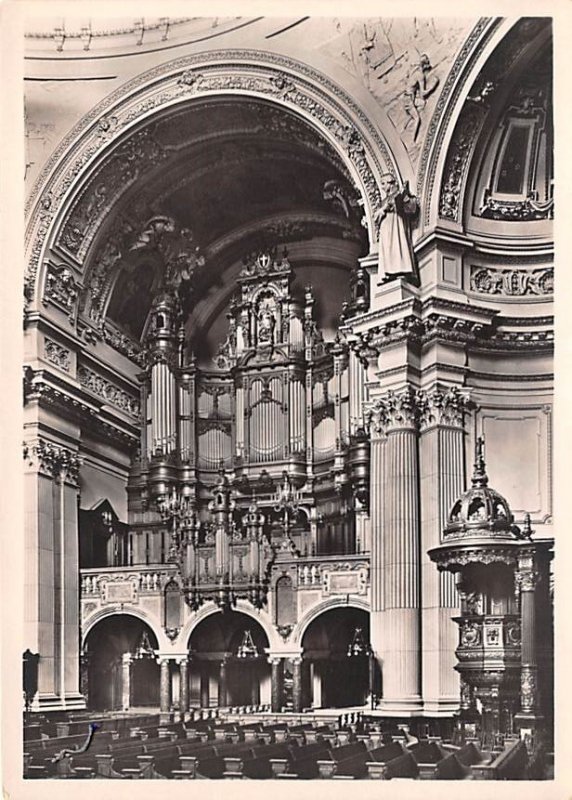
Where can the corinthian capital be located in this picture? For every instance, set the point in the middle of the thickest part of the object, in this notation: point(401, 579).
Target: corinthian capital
point(394, 410)
point(53, 460)
point(442, 407)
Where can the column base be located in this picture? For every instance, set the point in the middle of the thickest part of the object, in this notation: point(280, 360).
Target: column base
point(401, 707)
point(165, 717)
point(53, 702)
point(441, 707)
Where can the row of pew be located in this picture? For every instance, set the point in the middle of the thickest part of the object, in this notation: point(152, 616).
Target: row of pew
point(141, 748)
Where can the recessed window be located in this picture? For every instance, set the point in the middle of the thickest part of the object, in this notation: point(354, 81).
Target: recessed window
point(512, 173)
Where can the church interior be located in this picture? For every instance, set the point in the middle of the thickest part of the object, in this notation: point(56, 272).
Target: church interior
point(288, 385)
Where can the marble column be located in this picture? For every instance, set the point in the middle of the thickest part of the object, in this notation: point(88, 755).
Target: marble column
point(126, 661)
point(528, 578)
point(165, 686)
point(84, 676)
point(222, 684)
point(442, 481)
point(184, 685)
point(395, 628)
point(297, 685)
point(204, 684)
point(277, 683)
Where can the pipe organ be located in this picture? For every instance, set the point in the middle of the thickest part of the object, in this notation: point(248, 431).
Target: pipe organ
point(259, 453)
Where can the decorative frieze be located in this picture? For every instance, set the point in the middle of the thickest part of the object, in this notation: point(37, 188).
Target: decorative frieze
point(57, 354)
point(53, 460)
point(512, 282)
point(109, 392)
point(61, 289)
point(123, 344)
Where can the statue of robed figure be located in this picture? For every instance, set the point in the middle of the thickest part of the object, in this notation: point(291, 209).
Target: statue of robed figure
point(394, 217)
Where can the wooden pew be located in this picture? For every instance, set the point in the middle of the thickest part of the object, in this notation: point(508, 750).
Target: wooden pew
point(349, 755)
point(509, 765)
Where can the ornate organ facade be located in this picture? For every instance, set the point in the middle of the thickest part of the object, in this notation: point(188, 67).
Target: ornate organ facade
point(255, 457)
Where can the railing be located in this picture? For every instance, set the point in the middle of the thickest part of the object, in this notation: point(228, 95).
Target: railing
point(145, 580)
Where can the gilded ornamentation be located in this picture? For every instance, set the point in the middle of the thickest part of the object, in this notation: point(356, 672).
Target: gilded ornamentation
point(101, 271)
point(61, 289)
point(58, 355)
point(109, 392)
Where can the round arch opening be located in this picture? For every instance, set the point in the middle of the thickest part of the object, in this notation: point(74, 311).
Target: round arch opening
point(228, 662)
point(119, 669)
point(338, 661)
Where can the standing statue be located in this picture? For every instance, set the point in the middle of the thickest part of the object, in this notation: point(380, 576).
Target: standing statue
point(393, 218)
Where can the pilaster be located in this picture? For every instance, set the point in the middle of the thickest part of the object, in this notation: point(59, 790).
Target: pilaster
point(52, 572)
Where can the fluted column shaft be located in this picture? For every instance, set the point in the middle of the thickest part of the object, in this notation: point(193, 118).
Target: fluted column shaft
point(395, 559)
point(401, 570)
point(442, 481)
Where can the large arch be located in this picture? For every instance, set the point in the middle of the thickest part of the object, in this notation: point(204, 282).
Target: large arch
point(122, 119)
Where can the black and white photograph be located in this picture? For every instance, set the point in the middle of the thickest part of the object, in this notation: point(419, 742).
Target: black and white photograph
point(285, 345)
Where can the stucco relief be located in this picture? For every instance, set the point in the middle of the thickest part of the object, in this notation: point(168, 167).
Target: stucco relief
point(403, 62)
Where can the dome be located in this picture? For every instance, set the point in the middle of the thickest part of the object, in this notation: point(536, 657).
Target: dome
point(481, 511)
